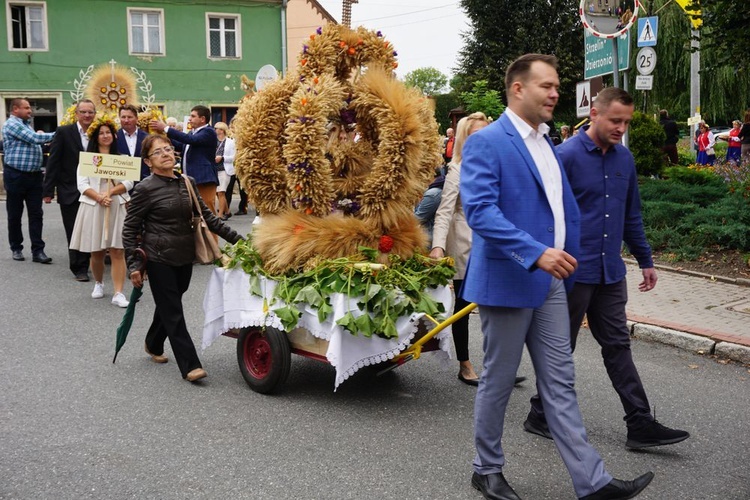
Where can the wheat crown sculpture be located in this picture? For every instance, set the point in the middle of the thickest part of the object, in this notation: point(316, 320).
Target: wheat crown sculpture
point(321, 197)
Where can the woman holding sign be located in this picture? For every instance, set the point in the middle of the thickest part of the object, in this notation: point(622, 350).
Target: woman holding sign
point(100, 218)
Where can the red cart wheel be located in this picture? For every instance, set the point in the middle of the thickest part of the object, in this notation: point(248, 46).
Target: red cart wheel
point(264, 357)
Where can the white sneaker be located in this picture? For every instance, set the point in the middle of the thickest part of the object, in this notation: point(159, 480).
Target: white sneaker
point(119, 300)
point(98, 292)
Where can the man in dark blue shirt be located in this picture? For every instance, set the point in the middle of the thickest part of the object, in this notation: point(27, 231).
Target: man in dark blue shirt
point(603, 177)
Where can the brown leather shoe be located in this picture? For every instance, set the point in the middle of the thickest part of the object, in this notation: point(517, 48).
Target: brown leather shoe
point(156, 358)
point(195, 375)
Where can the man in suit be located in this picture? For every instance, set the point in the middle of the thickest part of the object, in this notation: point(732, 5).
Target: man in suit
point(526, 225)
point(61, 178)
point(199, 155)
point(130, 137)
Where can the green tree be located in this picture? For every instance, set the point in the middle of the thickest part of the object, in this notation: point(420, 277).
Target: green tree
point(429, 80)
point(502, 30)
point(482, 98)
point(646, 139)
point(725, 32)
point(725, 87)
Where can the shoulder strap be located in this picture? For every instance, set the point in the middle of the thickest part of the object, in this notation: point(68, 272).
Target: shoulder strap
point(193, 198)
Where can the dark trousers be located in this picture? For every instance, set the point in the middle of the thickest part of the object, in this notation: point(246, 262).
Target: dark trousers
point(168, 284)
point(604, 306)
point(79, 261)
point(671, 151)
point(460, 327)
point(24, 187)
point(230, 191)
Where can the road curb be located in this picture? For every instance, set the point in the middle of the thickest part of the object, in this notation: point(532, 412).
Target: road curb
point(690, 342)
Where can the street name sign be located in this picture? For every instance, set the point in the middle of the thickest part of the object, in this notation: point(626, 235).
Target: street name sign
point(598, 59)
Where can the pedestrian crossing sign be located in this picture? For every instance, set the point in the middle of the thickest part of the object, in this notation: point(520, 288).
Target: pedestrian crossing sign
point(648, 28)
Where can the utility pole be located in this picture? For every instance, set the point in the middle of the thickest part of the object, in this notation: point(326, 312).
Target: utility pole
point(346, 16)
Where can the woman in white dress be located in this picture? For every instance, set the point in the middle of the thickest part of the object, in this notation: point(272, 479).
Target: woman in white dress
point(101, 215)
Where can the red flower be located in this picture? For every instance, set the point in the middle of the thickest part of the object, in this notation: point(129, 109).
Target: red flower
point(386, 244)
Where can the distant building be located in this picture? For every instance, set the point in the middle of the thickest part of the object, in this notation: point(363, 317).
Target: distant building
point(303, 18)
point(180, 53)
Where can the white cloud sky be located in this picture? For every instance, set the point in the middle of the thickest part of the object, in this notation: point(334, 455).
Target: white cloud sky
point(424, 32)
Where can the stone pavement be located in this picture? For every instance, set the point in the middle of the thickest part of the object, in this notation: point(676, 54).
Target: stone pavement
point(694, 311)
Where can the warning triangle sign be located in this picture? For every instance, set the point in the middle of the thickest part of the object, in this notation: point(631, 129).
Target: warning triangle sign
point(584, 101)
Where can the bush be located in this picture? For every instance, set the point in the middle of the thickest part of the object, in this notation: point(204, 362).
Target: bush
point(693, 176)
point(679, 192)
point(646, 140)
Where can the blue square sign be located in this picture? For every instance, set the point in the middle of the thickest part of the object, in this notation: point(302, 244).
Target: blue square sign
point(648, 27)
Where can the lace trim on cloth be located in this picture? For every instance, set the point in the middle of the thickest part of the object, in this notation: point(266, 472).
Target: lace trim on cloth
point(228, 304)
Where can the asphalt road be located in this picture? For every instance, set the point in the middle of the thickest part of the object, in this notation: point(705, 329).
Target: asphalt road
point(75, 426)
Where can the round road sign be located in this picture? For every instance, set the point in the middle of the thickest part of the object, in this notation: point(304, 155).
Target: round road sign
point(646, 60)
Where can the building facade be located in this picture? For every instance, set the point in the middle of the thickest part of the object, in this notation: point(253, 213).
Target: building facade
point(178, 54)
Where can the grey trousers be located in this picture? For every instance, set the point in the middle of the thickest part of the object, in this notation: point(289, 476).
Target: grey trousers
point(545, 332)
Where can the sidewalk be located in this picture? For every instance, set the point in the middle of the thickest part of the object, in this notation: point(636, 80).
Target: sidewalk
point(697, 312)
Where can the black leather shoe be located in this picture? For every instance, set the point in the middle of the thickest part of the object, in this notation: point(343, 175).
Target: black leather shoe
point(241, 212)
point(82, 277)
point(41, 257)
point(618, 489)
point(494, 486)
point(519, 380)
point(652, 433)
point(18, 255)
point(537, 425)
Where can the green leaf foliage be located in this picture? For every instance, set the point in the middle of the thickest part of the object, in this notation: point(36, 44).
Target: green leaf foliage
point(482, 98)
point(384, 294)
point(646, 140)
point(429, 80)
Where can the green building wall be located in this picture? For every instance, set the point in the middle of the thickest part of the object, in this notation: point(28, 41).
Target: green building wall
point(86, 32)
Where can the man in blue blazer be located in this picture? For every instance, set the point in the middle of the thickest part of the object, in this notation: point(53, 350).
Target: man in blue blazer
point(526, 230)
point(199, 155)
point(130, 137)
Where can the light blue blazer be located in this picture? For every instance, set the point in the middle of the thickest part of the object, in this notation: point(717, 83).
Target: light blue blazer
point(512, 223)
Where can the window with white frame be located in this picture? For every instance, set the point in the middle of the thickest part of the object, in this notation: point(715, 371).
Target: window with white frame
point(27, 25)
point(223, 36)
point(146, 31)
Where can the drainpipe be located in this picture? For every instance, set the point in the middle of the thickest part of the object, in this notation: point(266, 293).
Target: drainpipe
point(283, 37)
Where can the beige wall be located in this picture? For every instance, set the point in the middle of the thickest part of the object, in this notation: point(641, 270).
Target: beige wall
point(302, 19)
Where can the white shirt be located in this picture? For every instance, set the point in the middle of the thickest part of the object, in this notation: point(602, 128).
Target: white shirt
point(548, 167)
point(84, 137)
point(131, 140)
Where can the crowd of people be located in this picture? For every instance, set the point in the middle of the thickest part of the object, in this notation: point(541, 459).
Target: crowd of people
point(535, 235)
point(109, 218)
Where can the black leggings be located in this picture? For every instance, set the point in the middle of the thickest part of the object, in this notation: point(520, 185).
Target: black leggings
point(460, 327)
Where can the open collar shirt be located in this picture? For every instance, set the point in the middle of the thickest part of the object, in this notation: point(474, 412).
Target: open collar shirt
point(22, 146)
point(540, 148)
point(606, 189)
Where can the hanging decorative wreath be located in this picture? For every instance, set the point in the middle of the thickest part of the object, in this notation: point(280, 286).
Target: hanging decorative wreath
point(319, 194)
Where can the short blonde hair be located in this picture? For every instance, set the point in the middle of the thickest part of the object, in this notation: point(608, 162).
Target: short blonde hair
point(462, 132)
point(221, 126)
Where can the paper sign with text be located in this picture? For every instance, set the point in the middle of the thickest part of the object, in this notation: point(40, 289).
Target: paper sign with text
point(109, 166)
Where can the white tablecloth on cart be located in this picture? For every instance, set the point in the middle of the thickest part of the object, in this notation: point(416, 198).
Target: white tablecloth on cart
point(228, 304)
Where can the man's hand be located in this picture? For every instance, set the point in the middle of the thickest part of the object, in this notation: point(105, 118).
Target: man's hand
point(157, 125)
point(47, 199)
point(649, 279)
point(558, 263)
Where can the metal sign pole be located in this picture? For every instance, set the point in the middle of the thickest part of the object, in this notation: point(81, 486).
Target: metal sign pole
point(615, 63)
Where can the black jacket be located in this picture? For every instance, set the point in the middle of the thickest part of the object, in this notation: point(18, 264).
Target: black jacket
point(160, 210)
point(61, 177)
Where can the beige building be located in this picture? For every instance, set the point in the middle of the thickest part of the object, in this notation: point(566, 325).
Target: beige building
point(303, 17)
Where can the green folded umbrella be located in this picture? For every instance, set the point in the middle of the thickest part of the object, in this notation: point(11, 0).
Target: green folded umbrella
point(127, 318)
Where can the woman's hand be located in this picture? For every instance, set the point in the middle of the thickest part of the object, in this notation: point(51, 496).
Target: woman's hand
point(137, 279)
point(219, 159)
point(437, 253)
point(104, 200)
